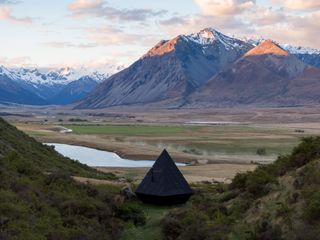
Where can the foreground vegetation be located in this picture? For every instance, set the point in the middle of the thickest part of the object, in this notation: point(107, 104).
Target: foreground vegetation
point(276, 201)
point(40, 200)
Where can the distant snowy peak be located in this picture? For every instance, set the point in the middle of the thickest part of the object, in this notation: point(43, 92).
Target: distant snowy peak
point(204, 37)
point(99, 77)
point(209, 36)
point(61, 76)
point(288, 47)
point(6, 72)
point(299, 49)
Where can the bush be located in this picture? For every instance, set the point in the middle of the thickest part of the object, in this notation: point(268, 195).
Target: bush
point(306, 151)
point(239, 181)
point(254, 182)
point(257, 181)
point(312, 208)
point(131, 212)
point(171, 228)
point(299, 130)
point(261, 151)
point(265, 230)
point(58, 177)
point(174, 225)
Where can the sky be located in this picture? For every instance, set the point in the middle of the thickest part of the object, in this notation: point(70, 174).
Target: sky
point(103, 33)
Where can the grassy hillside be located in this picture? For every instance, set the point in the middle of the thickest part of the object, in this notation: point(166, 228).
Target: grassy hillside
point(43, 157)
point(276, 201)
point(40, 200)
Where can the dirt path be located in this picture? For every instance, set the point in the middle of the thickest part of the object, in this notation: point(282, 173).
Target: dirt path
point(193, 174)
point(96, 181)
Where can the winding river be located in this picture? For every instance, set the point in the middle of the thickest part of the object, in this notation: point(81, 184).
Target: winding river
point(98, 158)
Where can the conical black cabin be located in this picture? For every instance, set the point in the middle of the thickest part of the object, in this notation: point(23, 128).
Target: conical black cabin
point(164, 183)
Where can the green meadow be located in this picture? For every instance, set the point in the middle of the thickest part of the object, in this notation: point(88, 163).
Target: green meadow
point(200, 140)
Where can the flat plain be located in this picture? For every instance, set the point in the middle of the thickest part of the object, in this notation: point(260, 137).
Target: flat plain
point(218, 143)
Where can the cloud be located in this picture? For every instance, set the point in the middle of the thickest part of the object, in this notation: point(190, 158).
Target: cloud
point(275, 22)
point(174, 21)
point(261, 16)
point(98, 8)
point(298, 30)
point(6, 15)
point(102, 64)
point(302, 4)
point(7, 2)
point(80, 5)
point(109, 35)
point(190, 24)
point(17, 62)
point(224, 7)
point(70, 45)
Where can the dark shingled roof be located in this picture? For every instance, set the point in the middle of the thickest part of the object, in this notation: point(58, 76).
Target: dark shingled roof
point(164, 179)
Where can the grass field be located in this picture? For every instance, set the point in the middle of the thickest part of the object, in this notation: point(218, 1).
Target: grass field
point(131, 130)
point(209, 143)
point(200, 140)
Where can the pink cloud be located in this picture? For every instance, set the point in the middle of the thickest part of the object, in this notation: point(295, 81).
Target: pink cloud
point(224, 7)
point(6, 15)
point(80, 5)
point(302, 4)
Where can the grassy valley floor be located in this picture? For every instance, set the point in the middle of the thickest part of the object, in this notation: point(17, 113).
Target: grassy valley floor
point(217, 152)
point(244, 143)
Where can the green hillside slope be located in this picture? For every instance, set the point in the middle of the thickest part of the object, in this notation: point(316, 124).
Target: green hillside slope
point(40, 200)
point(44, 158)
point(276, 201)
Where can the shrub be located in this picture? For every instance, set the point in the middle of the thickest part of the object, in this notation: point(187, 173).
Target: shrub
point(312, 208)
point(239, 181)
point(56, 177)
point(299, 130)
point(83, 207)
point(131, 212)
point(265, 230)
point(307, 150)
point(257, 181)
point(171, 228)
point(261, 151)
point(174, 225)
point(254, 182)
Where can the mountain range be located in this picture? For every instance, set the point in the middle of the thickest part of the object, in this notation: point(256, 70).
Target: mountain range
point(204, 69)
point(267, 75)
point(39, 87)
point(211, 69)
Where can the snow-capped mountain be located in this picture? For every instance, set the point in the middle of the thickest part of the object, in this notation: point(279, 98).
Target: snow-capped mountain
point(209, 36)
point(307, 55)
point(166, 75)
point(171, 72)
point(58, 76)
point(11, 91)
point(54, 86)
point(267, 75)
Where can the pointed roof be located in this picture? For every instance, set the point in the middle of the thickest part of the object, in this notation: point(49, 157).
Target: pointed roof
point(164, 179)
